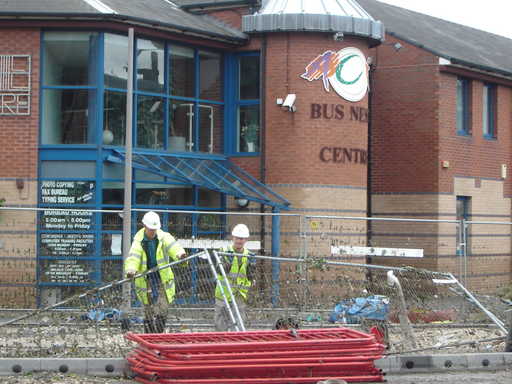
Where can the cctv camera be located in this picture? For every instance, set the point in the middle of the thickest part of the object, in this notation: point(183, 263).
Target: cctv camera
point(289, 101)
point(338, 36)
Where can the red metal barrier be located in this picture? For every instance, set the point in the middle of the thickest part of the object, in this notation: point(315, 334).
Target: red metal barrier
point(280, 356)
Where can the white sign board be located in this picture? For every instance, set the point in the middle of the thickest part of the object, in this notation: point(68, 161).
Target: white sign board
point(215, 244)
point(373, 251)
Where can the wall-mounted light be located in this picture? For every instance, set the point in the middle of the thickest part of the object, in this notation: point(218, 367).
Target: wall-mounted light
point(242, 202)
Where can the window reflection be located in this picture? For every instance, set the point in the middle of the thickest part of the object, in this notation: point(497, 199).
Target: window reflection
point(150, 122)
point(116, 61)
point(69, 116)
point(182, 71)
point(150, 66)
point(211, 76)
point(70, 58)
point(248, 128)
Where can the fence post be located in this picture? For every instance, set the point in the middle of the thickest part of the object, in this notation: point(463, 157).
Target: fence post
point(508, 345)
point(276, 252)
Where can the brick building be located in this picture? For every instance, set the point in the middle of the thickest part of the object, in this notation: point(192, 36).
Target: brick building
point(272, 97)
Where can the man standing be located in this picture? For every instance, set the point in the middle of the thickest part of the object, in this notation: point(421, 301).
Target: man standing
point(152, 247)
point(239, 270)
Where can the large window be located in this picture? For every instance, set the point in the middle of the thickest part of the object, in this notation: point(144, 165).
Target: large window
point(178, 93)
point(69, 87)
point(463, 106)
point(489, 111)
point(248, 104)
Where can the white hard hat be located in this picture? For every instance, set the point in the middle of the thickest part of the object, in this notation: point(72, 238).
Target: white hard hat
point(240, 230)
point(151, 220)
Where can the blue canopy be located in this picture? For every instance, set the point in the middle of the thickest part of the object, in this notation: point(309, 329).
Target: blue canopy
point(218, 174)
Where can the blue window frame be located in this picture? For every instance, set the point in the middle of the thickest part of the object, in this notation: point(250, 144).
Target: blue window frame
point(489, 111)
point(180, 91)
point(463, 106)
point(243, 129)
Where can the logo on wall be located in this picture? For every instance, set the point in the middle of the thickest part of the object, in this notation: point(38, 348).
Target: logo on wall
point(346, 71)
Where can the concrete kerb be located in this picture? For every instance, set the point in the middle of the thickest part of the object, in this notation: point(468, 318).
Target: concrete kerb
point(444, 362)
point(106, 367)
point(118, 367)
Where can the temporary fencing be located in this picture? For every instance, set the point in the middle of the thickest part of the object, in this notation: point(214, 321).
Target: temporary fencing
point(61, 271)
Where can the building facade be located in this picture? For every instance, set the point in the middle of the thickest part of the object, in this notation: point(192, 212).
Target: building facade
point(238, 99)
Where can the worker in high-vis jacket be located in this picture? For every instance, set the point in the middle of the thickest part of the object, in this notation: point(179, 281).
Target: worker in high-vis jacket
point(152, 247)
point(239, 268)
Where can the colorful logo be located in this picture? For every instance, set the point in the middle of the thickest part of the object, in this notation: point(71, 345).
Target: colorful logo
point(346, 71)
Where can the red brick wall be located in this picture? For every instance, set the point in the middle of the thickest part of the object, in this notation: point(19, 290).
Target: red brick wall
point(473, 155)
point(294, 140)
point(231, 17)
point(19, 134)
point(404, 120)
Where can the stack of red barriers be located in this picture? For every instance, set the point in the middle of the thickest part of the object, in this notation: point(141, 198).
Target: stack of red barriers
point(256, 357)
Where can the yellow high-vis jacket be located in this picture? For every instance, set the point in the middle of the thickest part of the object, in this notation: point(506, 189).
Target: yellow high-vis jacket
point(168, 250)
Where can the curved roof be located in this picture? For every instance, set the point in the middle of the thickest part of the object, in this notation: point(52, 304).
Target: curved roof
point(345, 16)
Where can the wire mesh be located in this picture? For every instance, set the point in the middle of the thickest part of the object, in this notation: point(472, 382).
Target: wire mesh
point(309, 287)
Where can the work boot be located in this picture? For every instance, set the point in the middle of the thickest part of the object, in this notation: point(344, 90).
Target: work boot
point(125, 325)
point(149, 326)
point(160, 323)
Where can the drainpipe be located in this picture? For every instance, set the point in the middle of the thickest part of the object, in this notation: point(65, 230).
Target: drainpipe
point(369, 212)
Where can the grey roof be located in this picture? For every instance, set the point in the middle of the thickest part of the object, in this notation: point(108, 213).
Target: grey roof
point(187, 4)
point(162, 14)
point(458, 43)
point(345, 16)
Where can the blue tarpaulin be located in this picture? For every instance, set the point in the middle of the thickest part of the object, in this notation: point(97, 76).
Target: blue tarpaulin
point(350, 311)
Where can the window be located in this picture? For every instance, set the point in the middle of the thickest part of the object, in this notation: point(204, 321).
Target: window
point(489, 111)
point(463, 106)
point(178, 93)
point(247, 103)
point(69, 87)
point(463, 212)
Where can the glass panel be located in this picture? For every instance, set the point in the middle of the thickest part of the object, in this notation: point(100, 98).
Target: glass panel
point(460, 105)
point(211, 123)
point(116, 61)
point(209, 199)
point(248, 138)
point(70, 58)
point(150, 66)
point(112, 270)
point(181, 121)
point(180, 225)
point(112, 195)
point(112, 221)
point(150, 122)
point(113, 171)
point(249, 77)
point(68, 169)
point(114, 118)
point(69, 116)
point(151, 194)
point(485, 110)
point(210, 84)
point(209, 223)
point(181, 71)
